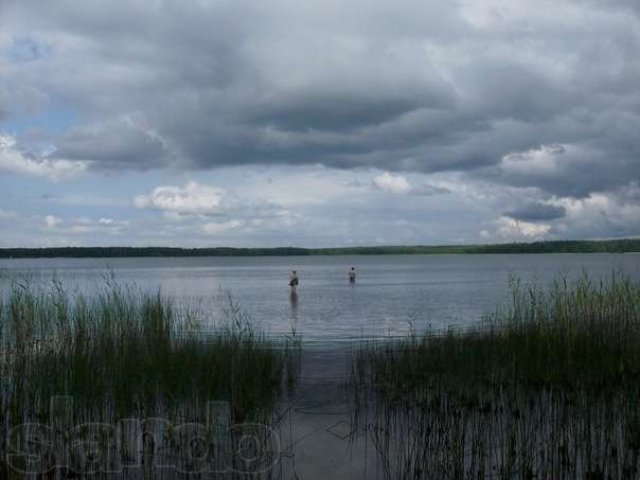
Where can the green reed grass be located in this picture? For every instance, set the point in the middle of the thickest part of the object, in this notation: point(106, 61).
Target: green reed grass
point(123, 352)
point(547, 387)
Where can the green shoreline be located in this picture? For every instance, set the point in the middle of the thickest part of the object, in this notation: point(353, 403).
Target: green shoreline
point(561, 246)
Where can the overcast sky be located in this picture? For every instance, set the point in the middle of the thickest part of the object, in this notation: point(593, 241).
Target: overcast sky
point(318, 123)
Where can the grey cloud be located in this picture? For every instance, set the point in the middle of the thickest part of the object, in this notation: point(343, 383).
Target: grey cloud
point(25, 49)
point(4, 104)
point(20, 100)
point(427, 190)
point(536, 211)
point(626, 6)
point(412, 86)
point(599, 165)
point(120, 144)
point(335, 111)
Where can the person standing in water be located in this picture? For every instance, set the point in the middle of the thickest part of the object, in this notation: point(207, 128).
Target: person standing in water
point(294, 280)
point(352, 275)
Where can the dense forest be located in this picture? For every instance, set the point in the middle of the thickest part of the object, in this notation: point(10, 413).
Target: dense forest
point(565, 246)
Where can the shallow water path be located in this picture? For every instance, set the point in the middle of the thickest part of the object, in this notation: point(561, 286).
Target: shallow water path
point(316, 431)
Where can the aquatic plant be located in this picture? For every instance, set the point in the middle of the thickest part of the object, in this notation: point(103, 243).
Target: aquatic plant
point(125, 354)
point(545, 388)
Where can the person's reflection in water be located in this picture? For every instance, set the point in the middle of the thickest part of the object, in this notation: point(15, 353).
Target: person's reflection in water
point(293, 303)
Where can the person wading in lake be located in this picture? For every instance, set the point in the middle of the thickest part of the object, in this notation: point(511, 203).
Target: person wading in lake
point(352, 275)
point(293, 280)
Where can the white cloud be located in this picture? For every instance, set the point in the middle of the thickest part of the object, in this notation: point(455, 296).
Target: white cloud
point(603, 211)
point(538, 161)
point(51, 221)
point(400, 185)
point(509, 229)
point(12, 160)
point(86, 225)
point(194, 198)
point(218, 227)
point(85, 199)
point(396, 184)
point(112, 223)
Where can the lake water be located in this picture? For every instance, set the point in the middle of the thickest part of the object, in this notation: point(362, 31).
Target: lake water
point(393, 293)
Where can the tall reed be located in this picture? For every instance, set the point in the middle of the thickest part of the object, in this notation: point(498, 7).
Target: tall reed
point(545, 388)
point(122, 353)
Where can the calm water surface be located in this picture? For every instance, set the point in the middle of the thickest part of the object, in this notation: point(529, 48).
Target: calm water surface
point(392, 292)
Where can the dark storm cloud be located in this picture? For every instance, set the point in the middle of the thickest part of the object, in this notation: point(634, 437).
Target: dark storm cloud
point(121, 144)
point(334, 111)
point(409, 86)
point(535, 212)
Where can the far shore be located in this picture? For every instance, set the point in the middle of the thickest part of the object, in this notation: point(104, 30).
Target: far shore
point(555, 246)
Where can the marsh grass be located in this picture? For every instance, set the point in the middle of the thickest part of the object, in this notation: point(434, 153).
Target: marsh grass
point(546, 388)
point(121, 353)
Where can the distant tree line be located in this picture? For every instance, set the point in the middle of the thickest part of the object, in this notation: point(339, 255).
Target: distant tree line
point(560, 246)
point(565, 246)
point(86, 252)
